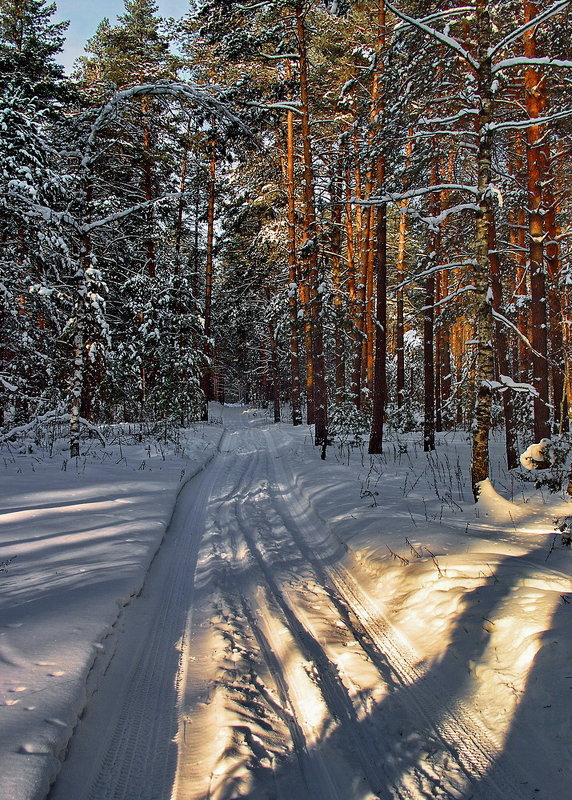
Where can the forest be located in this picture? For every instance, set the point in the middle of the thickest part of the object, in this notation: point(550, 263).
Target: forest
point(354, 213)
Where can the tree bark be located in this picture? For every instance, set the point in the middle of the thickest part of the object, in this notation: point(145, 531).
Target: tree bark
point(77, 389)
point(206, 380)
point(501, 350)
point(537, 160)
point(429, 363)
point(310, 242)
point(151, 262)
point(379, 376)
point(482, 302)
point(295, 388)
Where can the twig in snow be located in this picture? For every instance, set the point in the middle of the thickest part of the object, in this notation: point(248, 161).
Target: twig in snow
point(435, 564)
point(413, 549)
point(397, 557)
point(551, 546)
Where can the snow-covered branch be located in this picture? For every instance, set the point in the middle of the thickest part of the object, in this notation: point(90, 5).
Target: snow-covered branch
point(443, 38)
point(501, 318)
point(435, 221)
point(46, 419)
point(202, 98)
point(465, 112)
point(292, 106)
point(517, 33)
point(444, 300)
point(98, 223)
point(396, 197)
point(527, 123)
point(48, 214)
point(523, 61)
point(279, 56)
point(433, 270)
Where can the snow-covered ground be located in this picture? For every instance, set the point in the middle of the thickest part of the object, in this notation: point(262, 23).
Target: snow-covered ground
point(341, 630)
point(78, 541)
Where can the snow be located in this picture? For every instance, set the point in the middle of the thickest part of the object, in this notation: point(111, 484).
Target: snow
point(79, 543)
point(355, 628)
point(535, 454)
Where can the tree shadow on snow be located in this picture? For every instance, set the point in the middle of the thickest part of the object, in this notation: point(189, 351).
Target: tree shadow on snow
point(407, 739)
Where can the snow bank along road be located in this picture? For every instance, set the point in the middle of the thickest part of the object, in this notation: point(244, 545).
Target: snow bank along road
point(254, 665)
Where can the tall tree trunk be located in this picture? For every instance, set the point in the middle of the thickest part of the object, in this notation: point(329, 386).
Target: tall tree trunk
point(274, 367)
point(206, 381)
point(501, 349)
point(380, 363)
point(553, 274)
point(77, 388)
point(351, 277)
point(399, 310)
point(151, 263)
point(429, 361)
point(336, 261)
point(400, 278)
point(483, 309)
point(310, 242)
point(379, 379)
point(429, 383)
point(295, 389)
point(181, 203)
point(537, 160)
point(363, 224)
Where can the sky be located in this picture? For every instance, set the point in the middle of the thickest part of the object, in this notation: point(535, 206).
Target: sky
point(85, 16)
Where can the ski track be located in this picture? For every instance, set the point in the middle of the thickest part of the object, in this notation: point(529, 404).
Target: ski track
point(134, 705)
point(244, 514)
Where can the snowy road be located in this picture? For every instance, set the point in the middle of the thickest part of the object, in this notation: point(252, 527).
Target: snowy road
point(255, 665)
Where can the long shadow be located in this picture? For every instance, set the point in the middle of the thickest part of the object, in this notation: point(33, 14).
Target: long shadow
point(447, 683)
point(538, 725)
point(409, 729)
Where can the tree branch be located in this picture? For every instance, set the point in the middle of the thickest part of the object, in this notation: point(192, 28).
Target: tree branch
point(451, 43)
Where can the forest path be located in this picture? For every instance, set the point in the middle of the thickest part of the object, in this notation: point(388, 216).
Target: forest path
point(270, 674)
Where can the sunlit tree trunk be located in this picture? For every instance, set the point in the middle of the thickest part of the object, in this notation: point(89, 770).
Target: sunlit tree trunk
point(482, 302)
point(537, 160)
point(336, 264)
point(501, 349)
point(379, 373)
point(295, 388)
point(399, 309)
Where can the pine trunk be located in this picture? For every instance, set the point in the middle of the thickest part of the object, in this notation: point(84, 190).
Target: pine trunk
point(310, 244)
point(537, 161)
point(295, 388)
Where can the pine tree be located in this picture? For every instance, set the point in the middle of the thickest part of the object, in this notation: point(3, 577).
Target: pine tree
point(29, 45)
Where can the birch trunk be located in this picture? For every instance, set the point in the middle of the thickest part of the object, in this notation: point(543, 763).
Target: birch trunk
point(482, 299)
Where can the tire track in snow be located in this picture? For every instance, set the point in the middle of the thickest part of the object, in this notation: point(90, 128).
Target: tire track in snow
point(135, 707)
point(325, 674)
point(312, 767)
point(228, 559)
point(459, 733)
